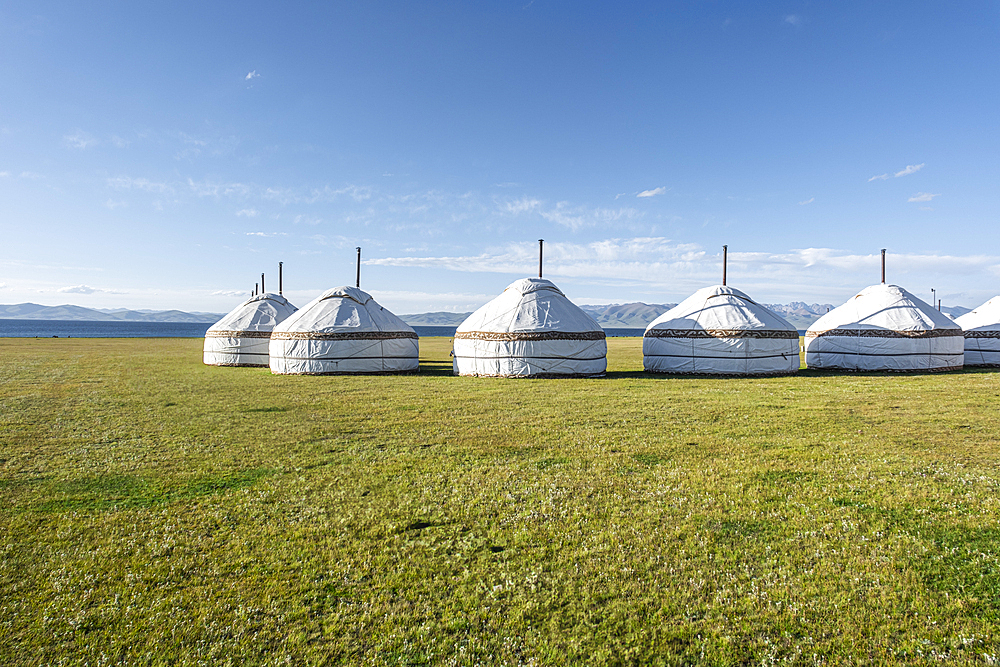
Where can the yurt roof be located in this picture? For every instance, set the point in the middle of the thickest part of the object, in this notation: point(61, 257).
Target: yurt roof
point(530, 304)
point(258, 313)
point(887, 307)
point(720, 308)
point(984, 318)
point(343, 309)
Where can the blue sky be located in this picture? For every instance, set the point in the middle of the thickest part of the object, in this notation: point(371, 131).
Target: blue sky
point(163, 156)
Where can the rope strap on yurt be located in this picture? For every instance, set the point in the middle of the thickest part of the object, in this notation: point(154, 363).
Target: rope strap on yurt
point(721, 333)
point(885, 333)
point(533, 335)
point(237, 334)
point(344, 335)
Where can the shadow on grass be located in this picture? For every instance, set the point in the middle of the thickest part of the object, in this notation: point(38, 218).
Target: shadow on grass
point(436, 368)
point(112, 492)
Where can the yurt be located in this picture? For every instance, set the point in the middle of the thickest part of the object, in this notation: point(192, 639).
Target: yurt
point(981, 329)
point(241, 337)
point(344, 330)
point(720, 330)
point(530, 330)
point(885, 328)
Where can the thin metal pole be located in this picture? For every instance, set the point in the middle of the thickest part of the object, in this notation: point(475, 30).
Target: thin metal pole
point(357, 281)
point(939, 305)
point(280, 277)
point(933, 297)
point(262, 290)
point(255, 286)
point(540, 242)
point(883, 266)
point(725, 260)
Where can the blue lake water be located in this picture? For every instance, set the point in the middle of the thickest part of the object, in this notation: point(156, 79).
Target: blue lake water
point(79, 329)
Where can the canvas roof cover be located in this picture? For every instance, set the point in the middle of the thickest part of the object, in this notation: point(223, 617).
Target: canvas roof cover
point(241, 337)
point(531, 329)
point(720, 330)
point(344, 330)
point(884, 328)
point(982, 334)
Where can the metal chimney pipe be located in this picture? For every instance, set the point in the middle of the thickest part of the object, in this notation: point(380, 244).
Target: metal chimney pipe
point(725, 260)
point(357, 280)
point(883, 266)
point(255, 289)
point(540, 242)
point(262, 290)
point(939, 305)
point(280, 277)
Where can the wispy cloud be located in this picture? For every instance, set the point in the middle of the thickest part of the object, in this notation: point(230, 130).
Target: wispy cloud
point(252, 75)
point(143, 184)
point(923, 196)
point(230, 292)
point(808, 201)
point(113, 204)
point(793, 19)
point(652, 193)
point(87, 289)
point(267, 234)
point(519, 206)
point(31, 175)
point(119, 142)
point(910, 168)
point(80, 139)
point(4, 174)
point(247, 213)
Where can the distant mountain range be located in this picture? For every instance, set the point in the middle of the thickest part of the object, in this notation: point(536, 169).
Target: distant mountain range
point(625, 315)
point(33, 311)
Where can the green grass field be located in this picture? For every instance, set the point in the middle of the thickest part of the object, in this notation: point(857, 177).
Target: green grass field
point(156, 510)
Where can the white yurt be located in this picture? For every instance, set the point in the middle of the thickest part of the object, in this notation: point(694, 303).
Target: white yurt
point(344, 330)
point(720, 330)
point(530, 330)
point(884, 328)
point(982, 334)
point(241, 337)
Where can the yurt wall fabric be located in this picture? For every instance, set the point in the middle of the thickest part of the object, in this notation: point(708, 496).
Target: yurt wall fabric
point(344, 330)
point(241, 338)
point(981, 329)
point(885, 328)
point(531, 329)
point(719, 330)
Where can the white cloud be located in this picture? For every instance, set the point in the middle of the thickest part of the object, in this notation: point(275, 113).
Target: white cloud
point(230, 292)
point(247, 213)
point(923, 196)
point(3, 285)
point(793, 19)
point(210, 189)
point(267, 234)
point(119, 142)
point(910, 168)
point(86, 289)
point(880, 177)
point(251, 75)
point(80, 139)
point(30, 174)
point(519, 206)
point(128, 183)
point(808, 201)
point(112, 204)
point(652, 193)
point(4, 174)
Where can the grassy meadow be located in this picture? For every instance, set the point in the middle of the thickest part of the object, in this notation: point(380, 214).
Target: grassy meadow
point(154, 510)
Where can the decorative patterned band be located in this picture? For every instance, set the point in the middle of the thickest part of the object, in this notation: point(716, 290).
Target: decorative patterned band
point(885, 333)
point(982, 334)
point(524, 335)
point(343, 335)
point(721, 333)
point(237, 334)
